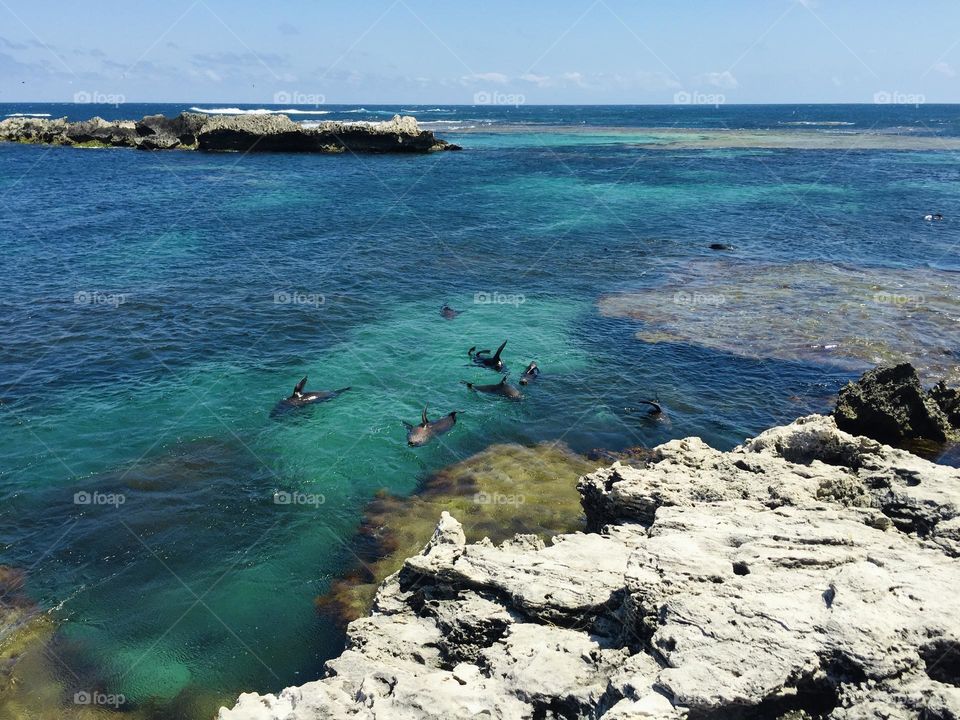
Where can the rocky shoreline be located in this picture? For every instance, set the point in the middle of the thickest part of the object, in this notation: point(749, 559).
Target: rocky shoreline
point(227, 133)
point(806, 573)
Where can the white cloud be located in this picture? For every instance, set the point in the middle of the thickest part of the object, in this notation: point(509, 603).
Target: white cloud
point(655, 81)
point(944, 68)
point(490, 77)
point(538, 80)
point(596, 82)
point(574, 78)
point(724, 80)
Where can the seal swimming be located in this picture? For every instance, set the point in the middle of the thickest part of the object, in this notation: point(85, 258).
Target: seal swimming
point(418, 435)
point(301, 398)
point(502, 388)
point(494, 362)
point(655, 407)
point(530, 374)
point(448, 313)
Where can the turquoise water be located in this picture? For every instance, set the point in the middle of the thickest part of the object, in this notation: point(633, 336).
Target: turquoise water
point(146, 340)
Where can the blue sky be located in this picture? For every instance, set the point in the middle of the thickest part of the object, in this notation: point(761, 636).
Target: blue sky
point(428, 51)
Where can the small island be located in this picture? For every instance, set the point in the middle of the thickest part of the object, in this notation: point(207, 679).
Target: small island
point(227, 133)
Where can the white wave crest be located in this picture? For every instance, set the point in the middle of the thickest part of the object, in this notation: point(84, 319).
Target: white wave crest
point(823, 123)
point(257, 111)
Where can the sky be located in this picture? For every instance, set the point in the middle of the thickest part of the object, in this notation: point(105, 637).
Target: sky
point(488, 51)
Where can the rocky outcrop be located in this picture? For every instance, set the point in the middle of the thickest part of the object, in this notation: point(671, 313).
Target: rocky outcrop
point(889, 404)
point(242, 133)
point(806, 573)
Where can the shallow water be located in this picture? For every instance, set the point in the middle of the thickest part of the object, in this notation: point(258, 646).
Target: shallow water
point(853, 318)
point(160, 304)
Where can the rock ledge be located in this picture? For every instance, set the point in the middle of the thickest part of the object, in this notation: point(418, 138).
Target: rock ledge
point(243, 133)
point(806, 573)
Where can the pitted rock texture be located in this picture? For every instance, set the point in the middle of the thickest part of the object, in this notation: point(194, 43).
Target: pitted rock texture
point(805, 574)
point(237, 133)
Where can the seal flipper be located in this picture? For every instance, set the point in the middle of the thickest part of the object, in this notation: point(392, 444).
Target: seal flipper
point(504, 381)
point(496, 355)
point(471, 351)
point(298, 390)
point(423, 417)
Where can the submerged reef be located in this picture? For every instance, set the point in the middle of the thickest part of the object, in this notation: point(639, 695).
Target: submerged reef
point(502, 491)
point(804, 311)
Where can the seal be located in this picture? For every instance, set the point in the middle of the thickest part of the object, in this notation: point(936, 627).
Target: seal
point(419, 435)
point(301, 398)
point(655, 407)
point(502, 388)
point(448, 313)
point(530, 374)
point(494, 362)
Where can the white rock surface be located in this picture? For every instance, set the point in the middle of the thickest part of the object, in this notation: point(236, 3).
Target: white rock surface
point(806, 571)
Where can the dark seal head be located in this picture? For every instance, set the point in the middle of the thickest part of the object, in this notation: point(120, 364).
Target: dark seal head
point(448, 313)
point(530, 374)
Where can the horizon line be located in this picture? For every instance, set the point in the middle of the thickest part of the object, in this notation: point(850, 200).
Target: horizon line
point(470, 105)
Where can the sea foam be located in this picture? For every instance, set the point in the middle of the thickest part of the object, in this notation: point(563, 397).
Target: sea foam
point(257, 111)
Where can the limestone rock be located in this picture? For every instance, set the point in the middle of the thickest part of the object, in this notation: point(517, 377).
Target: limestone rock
point(238, 133)
point(808, 573)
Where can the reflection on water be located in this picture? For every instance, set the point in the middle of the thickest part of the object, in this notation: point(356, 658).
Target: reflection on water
point(805, 311)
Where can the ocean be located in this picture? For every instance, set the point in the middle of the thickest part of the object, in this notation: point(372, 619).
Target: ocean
point(159, 305)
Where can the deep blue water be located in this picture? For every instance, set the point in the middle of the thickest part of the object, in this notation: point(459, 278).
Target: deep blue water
point(145, 341)
point(890, 118)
